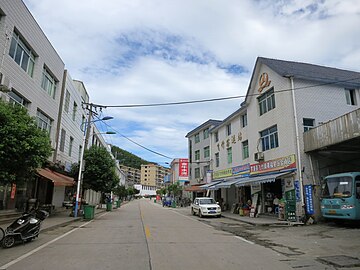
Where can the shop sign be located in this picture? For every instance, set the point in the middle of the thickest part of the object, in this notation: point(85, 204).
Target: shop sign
point(255, 188)
point(209, 176)
point(309, 199)
point(183, 168)
point(289, 184)
point(223, 173)
point(283, 163)
point(297, 190)
point(229, 141)
point(241, 171)
point(263, 82)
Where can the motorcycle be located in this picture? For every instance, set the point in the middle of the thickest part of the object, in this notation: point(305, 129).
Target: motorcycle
point(24, 229)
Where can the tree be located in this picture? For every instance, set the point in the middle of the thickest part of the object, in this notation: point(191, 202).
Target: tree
point(174, 189)
point(128, 159)
point(120, 191)
point(99, 174)
point(23, 146)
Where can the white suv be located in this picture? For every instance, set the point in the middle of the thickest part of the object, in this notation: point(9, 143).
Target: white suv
point(205, 206)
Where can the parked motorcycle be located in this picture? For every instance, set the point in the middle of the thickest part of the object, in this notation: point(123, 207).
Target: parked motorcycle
point(24, 229)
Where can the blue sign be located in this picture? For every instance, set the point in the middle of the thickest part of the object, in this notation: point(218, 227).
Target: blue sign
point(309, 199)
point(297, 190)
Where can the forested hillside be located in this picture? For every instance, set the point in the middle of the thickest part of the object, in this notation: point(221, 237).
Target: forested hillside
point(126, 158)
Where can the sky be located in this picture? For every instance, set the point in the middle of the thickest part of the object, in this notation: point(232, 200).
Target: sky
point(163, 51)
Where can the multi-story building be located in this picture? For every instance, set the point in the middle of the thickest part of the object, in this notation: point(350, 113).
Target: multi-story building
point(258, 151)
point(179, 171)
point(133, 175)
point(153, 175)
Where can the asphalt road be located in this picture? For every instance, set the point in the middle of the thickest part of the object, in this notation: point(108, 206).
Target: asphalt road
point(142, 235)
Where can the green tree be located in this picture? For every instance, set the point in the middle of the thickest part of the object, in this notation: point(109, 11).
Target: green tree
point(120, 191)
point(128, 159)
point(99, 173)
point(175, 189)
point(23, 146)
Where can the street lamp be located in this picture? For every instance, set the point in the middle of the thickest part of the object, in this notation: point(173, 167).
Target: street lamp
point(82, 157)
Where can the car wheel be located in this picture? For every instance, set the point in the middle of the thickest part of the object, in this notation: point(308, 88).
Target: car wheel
point(200, 214)
point(192, 212)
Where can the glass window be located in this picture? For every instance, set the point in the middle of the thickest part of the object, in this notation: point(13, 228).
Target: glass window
point(244, 120)
point(197, 138)
point(17, 99)
point(229, 155)
point(350, 97)
point(206, 152)
point(43, 121)
point(74, 111)
point(206, 133)
point(22, 54)
point(67, 101)
point(269, 138)
point(62, 140)
point(71, 145)
point(197, 172)
point(197, 155)
point(266, 101)
point(308, 123)
point(245, 149)
point(216, 136)
point(217, 160)
point(48, 83)
point(228, 129)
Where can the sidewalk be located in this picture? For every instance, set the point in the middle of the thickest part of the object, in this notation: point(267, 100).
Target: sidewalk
point(259, 221)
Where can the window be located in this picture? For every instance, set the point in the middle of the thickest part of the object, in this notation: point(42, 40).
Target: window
point(206, 152)
point(17, 99)
point(217, 160)
point(197, 155)
point(67, 101)
point(48, 83)
point(350, 97)
point(206, 169)
point(269, 138)
point(308, 123)
point(244, 120)
point(245, 149)
point(266, 101)
point(197, 172)
point(43, 121)
point(62, 140)
point(206, 133)
point(74, 111)
point(229, 155)
point(197, 138)
point(216, 136)
point(71, 145)
point(228, 130)
point(22, 54)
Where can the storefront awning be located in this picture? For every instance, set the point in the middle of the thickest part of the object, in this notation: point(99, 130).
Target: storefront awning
point(58, 179)
point(261, 179)
point(229, 182)
point(207, 186)
point(194, 188)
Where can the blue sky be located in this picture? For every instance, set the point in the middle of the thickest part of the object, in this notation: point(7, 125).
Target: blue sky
point(158, 51)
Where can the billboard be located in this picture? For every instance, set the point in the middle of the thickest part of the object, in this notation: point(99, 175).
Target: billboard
point(183, 169)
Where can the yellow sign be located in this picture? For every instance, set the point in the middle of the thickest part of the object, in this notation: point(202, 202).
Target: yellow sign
point(263, 81)
point(222, 173)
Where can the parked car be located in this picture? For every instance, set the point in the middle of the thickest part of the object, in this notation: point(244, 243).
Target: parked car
point(205, 206)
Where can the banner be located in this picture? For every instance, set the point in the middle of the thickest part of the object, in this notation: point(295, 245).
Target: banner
point(280, 164)
point(183, 169)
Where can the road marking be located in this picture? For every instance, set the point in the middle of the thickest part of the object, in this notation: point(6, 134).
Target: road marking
point(6, 266)
point(243, 239)
point(147, 232)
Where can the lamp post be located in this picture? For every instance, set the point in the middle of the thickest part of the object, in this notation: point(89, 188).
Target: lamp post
point(82, 157)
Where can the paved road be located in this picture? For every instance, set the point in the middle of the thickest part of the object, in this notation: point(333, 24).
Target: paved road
point(141, 235)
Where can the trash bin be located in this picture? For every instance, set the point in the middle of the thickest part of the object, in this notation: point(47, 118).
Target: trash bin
point(109, 206)
point(173, 204)
point(118, 204)
point(89, 211)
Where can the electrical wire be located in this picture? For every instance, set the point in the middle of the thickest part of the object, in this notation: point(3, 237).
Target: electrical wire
point(216, 99)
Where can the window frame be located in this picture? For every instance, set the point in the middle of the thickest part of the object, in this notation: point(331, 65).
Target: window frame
point(266, 101)
point(228, 129)
point(229, 155)
point(350, 96)
point(206, 133)
point(206, 151)
point(197, 137)
point(45, 123)
point(269, 138)
point(197, 155)
point(306, 122)
point(245, 149)
point(48, 82)
point(244, 122)
point(217, 160)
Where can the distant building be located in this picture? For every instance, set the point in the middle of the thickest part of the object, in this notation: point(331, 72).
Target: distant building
point(153, 175)
point(133, 175)
point(179, 171)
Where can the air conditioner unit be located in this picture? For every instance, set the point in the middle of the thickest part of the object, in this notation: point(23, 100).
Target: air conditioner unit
point(259, 156)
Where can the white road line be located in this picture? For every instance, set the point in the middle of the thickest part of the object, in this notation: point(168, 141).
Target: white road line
point(191, 218)
point(6, 266)
point(243, 239)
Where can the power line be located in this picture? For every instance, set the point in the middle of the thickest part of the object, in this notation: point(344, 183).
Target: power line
point(215, 99)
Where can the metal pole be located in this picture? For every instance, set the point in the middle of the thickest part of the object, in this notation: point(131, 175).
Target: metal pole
point(79, 177)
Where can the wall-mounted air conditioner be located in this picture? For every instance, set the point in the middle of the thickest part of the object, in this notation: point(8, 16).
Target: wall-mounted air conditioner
point(259, 156)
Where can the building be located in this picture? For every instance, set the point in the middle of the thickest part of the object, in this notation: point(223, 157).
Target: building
point(133, 175)
point(152, 175)
point(258, 151)
point(179, 171)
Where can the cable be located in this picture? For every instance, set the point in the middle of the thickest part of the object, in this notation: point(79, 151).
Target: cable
point(214, 99)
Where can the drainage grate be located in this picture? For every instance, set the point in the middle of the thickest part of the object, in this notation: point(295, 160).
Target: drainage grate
point(341, 260)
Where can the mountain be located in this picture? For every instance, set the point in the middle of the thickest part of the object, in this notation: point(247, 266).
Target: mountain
point(126, 158)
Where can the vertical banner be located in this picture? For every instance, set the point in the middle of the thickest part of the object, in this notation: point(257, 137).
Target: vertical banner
point(309, 199)
point(297, 190)
point(183, 169)
point(13, 191)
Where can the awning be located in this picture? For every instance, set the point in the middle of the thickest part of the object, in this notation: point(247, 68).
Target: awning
point(207, 186)
point(261, 179)
point(58, 179)
point(232, 181)
point(194, 188)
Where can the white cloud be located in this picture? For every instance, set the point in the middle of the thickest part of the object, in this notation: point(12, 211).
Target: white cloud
point(141, 52)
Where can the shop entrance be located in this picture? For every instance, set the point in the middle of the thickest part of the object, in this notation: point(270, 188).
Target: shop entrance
point(272, 191)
